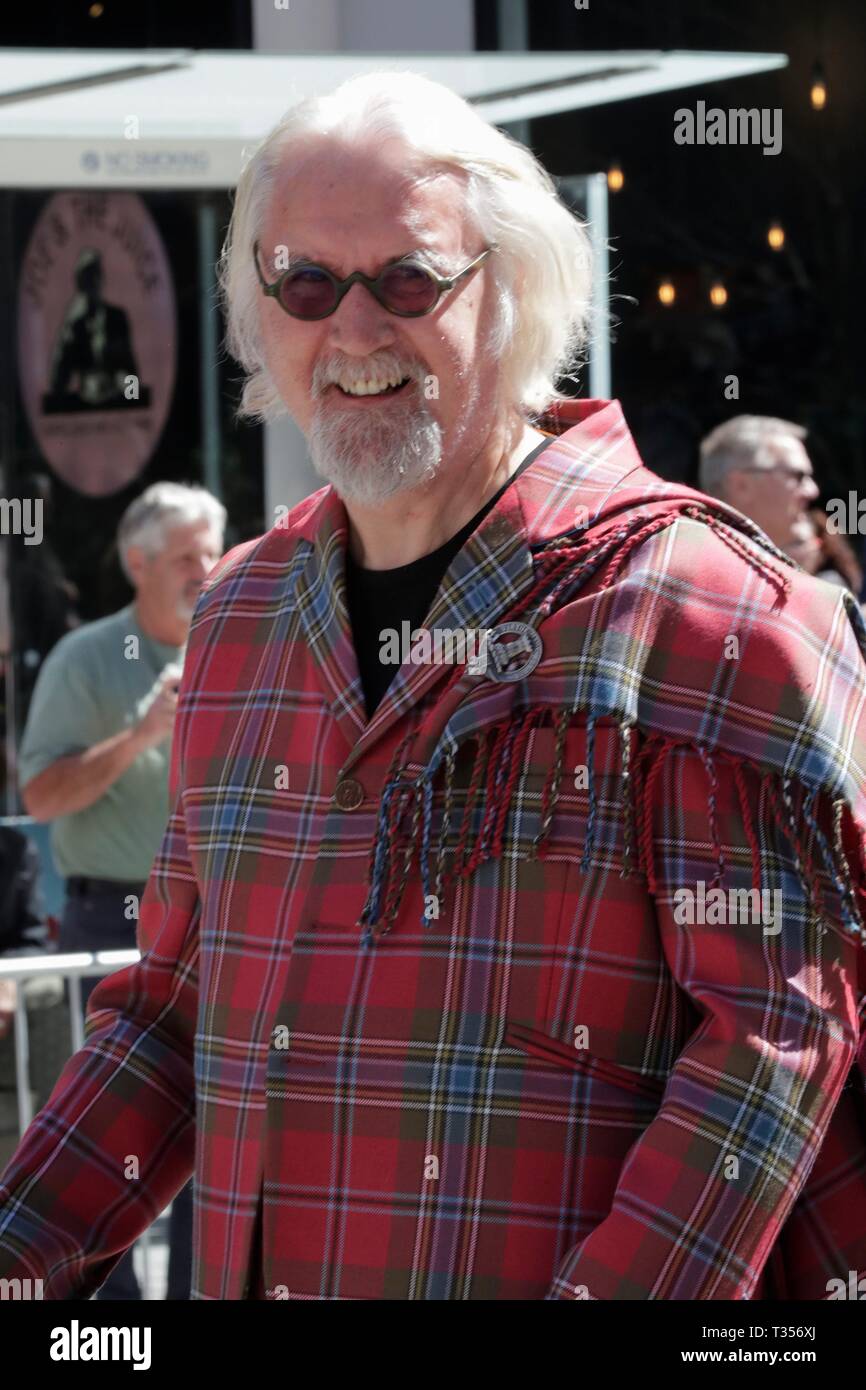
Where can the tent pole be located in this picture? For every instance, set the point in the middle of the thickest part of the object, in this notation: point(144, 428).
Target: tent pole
point(512, 24)
point(209, 349)
point(9, 356)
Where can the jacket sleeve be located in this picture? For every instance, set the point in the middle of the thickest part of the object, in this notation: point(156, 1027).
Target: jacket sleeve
point(706, 1189)
point(115, 1141)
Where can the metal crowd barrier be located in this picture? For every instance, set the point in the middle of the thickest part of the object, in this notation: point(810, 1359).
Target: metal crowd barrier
point(71, 967)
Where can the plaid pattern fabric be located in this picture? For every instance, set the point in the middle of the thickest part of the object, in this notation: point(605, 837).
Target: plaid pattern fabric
point(425, 984)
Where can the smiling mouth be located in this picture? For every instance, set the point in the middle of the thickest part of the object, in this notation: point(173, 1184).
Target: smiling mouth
point(364, 390)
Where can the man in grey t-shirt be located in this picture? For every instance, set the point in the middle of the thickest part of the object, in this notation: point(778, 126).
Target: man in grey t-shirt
point(94, 759)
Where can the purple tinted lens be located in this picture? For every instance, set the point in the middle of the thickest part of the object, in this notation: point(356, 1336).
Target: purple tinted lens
point(408, 289)
point(308, 293)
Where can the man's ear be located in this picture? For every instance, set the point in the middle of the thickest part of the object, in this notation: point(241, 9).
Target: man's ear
point(736, 487)
point(136, 564)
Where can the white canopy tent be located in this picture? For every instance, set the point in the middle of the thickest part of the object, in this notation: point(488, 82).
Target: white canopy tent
point(183, 119)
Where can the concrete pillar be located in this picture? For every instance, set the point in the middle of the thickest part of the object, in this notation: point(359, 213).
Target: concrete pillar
point(304, 26)
point(512, 18)
point(396, 26)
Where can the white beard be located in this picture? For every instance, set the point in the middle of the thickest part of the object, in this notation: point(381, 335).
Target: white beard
point(371, 455)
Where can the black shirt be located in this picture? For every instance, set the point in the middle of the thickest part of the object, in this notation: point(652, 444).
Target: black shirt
point(379, 599)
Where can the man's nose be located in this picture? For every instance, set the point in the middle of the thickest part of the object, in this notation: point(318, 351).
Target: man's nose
point(809, 488)
point(360, 324)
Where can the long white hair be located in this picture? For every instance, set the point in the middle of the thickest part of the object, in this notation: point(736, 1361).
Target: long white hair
point(538, 336)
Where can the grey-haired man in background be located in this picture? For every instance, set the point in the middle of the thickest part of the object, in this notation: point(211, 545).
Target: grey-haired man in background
point(95, 754)
point(759, 464)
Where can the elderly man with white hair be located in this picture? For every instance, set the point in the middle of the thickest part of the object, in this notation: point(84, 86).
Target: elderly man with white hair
point(526, 971)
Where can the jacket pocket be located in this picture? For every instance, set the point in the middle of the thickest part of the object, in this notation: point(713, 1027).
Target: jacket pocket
point(547, 1049)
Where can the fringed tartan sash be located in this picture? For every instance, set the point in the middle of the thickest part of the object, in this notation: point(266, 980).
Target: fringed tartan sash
point(471, 717)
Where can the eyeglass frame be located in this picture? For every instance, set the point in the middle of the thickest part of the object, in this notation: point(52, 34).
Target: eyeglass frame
point(797, 474)
point(444, 284)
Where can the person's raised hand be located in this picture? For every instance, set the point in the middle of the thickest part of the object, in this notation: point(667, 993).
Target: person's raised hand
point(158, 722)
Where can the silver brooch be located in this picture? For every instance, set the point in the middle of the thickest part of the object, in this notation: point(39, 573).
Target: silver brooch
point(512, 651)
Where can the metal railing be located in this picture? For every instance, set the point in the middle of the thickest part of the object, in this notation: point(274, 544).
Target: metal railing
point(71, 967)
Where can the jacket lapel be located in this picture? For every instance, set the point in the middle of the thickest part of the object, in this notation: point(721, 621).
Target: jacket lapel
point(491, 572)
point(321, 599)
point(576, 477)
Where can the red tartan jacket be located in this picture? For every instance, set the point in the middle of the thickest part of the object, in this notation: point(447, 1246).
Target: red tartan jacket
point(474, 1000)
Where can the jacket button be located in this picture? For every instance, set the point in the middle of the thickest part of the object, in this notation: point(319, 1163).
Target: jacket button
point(348, 794)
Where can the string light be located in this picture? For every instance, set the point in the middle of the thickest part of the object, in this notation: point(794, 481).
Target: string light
point(718, 295)
point(666, 292)
point(776, 236)
point(615, 178)
point(818, 90)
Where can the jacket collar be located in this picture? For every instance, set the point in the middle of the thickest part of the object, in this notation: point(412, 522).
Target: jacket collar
point(589, 471)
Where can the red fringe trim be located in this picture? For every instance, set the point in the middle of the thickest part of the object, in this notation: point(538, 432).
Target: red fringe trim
point(506, 742)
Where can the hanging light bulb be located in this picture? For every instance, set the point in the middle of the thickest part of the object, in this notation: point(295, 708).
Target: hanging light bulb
point(667, 292)
point(818, 89)
point(615, 178)
point(718, 295)
point(776, 236)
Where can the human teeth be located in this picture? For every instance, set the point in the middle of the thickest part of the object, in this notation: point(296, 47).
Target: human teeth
point(372, 387)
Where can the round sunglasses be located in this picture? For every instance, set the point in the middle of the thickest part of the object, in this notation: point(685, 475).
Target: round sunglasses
point(407, 287)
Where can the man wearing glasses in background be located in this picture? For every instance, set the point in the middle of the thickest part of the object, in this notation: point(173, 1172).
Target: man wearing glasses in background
point(759, 465)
